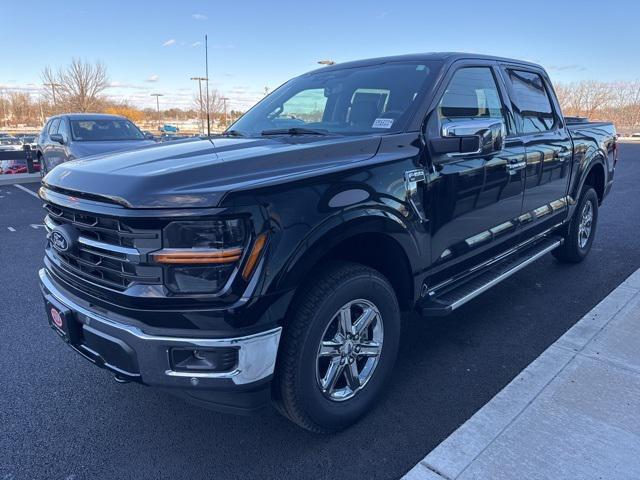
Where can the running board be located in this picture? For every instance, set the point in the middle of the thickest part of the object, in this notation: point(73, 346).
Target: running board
point(439, 304)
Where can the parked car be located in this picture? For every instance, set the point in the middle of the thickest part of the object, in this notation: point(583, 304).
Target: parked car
point(10, 144)
point(271, 263)
point(170, 137)
point(78, 135)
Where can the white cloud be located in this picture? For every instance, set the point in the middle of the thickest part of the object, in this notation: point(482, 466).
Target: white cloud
point(169, 42)
point(152, 78)
point(199, 16)
point(19, 87)
point(123, 85)
point(196, 44)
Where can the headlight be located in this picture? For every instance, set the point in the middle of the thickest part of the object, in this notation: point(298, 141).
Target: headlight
point(200, 256)
point(217, 234)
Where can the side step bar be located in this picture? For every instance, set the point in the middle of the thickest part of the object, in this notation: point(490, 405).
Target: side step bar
point(438, 304)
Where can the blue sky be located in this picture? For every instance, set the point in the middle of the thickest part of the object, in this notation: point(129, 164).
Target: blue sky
point(156, 46)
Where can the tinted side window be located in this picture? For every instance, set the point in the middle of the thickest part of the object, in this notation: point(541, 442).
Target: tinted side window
point(471, 93)
point(532, 101)
point(63, 129)
point(53, 126)
point(307, 106)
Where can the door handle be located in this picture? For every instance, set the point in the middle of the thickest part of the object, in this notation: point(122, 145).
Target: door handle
point(562, 156)
point(513, 167)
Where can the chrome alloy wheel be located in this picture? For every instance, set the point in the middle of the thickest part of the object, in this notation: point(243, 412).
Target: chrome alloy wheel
point(349, 350)
point(586, 222)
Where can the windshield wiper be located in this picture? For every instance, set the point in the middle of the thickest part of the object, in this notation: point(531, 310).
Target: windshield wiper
point(294, 131)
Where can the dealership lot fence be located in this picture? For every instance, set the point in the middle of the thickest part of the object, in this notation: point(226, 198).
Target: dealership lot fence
point(19, 161)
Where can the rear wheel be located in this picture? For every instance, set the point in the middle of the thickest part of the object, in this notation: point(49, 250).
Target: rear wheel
point(338, 348)
point(581, 231)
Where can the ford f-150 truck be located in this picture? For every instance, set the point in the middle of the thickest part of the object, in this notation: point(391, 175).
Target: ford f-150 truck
point(271, 263)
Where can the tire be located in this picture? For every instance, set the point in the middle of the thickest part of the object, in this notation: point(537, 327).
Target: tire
point(576, 246)
point(314, 318)
point(43, 166)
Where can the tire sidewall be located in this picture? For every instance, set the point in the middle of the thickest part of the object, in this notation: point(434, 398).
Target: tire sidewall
point(43, 166)
point(588, 196)
point(337, 414)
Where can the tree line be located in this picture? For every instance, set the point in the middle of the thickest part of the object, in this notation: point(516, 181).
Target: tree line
point(618, 102)
point(80, 87)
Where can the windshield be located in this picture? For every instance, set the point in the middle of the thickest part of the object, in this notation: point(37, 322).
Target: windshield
point(104, 130)
point(348, 101)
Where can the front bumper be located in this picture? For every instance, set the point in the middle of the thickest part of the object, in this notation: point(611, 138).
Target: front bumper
point(134, 355)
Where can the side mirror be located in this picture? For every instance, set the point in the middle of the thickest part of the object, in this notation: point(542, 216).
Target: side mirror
point(57, 137)
point(471, 137)
point(149, 136)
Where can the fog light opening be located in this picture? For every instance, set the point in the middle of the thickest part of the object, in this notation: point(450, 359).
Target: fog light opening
point(204, 360)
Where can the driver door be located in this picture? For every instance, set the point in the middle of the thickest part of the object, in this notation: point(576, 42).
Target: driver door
point(474, 195)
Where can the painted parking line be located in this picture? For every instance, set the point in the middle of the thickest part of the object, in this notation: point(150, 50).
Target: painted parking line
point(11, 229)
point(25, 189)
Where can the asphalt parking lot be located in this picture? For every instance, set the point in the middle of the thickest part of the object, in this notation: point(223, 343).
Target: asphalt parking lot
point(62, 418)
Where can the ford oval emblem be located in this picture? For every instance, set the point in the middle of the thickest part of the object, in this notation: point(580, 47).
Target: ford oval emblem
point(62, 238)
point(59, 242)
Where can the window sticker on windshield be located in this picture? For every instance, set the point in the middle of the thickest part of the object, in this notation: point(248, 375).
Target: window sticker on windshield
point(382, 123)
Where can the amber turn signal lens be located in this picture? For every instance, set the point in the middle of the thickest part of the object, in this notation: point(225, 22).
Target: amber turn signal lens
point(197, 257)
point(252, 261)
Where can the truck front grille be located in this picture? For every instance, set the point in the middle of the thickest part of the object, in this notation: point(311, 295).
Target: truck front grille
point(108, 253)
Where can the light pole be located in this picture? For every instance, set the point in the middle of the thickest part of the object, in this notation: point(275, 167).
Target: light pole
point(224, 103)
point(53, 91)
point(326, 62)
point(200, 80)
point(157, 95)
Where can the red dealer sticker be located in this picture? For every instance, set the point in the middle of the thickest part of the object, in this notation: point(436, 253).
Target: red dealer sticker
point(56, 317)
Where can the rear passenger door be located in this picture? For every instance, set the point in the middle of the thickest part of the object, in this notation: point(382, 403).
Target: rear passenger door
point(547, 145)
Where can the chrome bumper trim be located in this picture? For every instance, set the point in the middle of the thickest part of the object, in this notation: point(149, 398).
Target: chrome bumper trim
point(256, 356)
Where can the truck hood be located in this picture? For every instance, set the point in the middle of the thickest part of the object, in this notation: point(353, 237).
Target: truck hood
point(85, 149)
point(198, 173)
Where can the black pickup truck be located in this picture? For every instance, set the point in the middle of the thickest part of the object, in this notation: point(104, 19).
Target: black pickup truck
point(271, 263)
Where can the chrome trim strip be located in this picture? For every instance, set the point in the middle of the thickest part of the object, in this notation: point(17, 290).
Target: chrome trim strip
point(109, 247)
point(256, 356)
point(48, 224)
point(131, 253)
point(492, 261)
point(505, 275)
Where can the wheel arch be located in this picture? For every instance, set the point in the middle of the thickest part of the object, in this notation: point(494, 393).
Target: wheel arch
point(596, 177)
point(593, 172)
point(376, 240)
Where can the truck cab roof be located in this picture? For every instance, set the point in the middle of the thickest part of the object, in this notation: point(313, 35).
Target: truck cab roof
point(446, 57)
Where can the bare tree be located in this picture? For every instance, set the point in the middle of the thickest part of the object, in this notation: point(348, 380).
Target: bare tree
point(618, 102)
point(216, 105)
point(22, 108)
point(77, 87)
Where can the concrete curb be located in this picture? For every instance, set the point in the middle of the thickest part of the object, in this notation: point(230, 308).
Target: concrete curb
point(461, 449)
point(19, 178)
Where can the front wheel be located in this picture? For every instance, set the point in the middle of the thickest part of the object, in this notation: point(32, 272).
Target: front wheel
point(579, 235)
point(43, 166)
point(338, 348)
